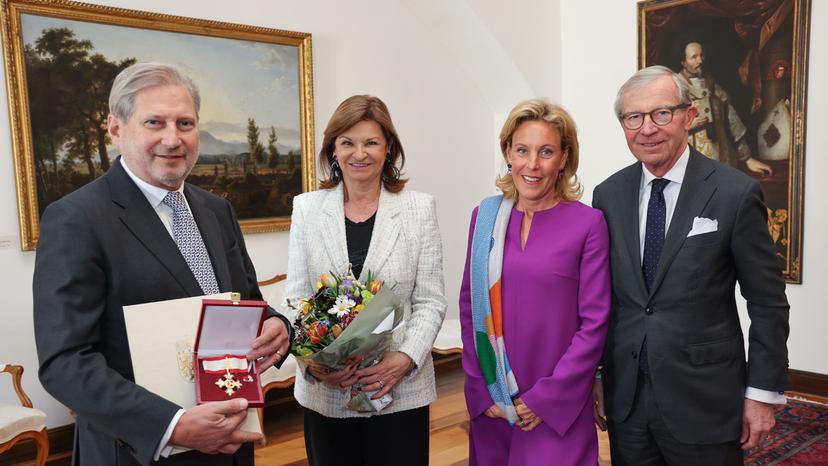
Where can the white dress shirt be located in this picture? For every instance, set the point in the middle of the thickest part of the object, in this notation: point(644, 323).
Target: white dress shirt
point(671, 194)
point(155, 196)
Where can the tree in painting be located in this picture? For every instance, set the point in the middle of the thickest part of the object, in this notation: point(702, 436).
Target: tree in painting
point(68, 91)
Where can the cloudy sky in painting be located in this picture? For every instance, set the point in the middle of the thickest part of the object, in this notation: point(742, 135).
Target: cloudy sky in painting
point(237, 79)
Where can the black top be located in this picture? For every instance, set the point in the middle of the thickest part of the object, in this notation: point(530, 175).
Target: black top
point(358, 237)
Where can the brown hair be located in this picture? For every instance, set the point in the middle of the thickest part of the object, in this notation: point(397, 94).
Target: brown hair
point(350, 112)
point(568, 188)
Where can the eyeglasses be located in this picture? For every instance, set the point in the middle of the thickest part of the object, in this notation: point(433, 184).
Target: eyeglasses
point(660, 116)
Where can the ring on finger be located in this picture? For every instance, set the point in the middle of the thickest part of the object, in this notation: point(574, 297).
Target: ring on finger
point(381, 384)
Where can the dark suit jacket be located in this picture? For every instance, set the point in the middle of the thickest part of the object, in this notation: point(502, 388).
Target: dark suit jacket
point(100, 248)
point(694, 339)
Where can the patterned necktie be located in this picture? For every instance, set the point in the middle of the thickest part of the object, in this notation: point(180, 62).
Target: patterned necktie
point(654, 234)
point(653, 244)
point(188, 239)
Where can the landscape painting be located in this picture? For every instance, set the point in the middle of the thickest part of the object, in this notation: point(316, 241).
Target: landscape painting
point(254, 121)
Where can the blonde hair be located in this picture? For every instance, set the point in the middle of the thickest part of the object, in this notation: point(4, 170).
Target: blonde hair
point(568, 188)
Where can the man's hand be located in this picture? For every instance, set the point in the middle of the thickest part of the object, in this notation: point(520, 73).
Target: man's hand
point(598, 414)
point(272, 345)
point(213, 427)
point(758, 167)
point(757, 421)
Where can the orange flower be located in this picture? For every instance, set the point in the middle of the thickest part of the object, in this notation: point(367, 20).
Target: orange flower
point(317, 331)
point(328, 280)
point(375, 286)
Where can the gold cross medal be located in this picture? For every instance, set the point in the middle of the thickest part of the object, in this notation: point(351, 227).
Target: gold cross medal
point(228, 383)
point(226, 366)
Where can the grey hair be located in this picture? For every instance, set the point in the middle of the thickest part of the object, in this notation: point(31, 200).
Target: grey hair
point(646, 76)
point(140, 76)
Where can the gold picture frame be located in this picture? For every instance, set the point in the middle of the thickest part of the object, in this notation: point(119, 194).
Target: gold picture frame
point(246, 74)
point(755, 70)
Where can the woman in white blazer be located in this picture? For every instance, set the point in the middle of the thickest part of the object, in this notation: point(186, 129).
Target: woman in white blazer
point(362, 216)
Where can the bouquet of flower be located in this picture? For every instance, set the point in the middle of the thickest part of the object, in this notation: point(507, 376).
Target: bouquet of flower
point(346, 322)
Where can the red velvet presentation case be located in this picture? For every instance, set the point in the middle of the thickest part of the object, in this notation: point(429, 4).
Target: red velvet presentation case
point(227, 329)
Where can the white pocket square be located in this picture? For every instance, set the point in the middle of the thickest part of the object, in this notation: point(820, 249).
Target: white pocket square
point(703, 225)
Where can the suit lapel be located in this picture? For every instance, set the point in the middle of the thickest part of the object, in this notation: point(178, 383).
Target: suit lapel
point(629, 194)
point(384, 237)
point(695, 193)
point(332, 226)
point(210, 231)
point(140, 218)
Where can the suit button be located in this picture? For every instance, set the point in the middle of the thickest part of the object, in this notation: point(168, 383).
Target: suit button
point(634, 354)
point(648, 311)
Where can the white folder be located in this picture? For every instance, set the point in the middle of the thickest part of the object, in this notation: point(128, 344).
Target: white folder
point(157, 332)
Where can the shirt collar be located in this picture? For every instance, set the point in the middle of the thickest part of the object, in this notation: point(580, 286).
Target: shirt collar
point(675, 174)
point(154, 194)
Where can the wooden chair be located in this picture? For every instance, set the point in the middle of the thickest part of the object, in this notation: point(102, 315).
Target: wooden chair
point(272, 291)
point(273, 378)
point(22, 422)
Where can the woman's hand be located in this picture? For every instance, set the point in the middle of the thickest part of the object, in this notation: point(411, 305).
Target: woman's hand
point(528, 419)
point(598, 414)
point(495, 412)
point(342, 378)
point(382, 377)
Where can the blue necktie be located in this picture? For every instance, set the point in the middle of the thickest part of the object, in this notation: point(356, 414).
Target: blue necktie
point(653, 244)
point(188, 239)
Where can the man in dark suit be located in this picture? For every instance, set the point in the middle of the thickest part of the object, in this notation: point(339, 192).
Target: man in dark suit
point(684, 229)
point(140, 234)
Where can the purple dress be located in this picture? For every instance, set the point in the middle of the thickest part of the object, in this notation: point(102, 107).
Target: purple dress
point(556, 302)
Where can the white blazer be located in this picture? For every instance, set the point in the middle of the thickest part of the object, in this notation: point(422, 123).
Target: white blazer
point(405, 249)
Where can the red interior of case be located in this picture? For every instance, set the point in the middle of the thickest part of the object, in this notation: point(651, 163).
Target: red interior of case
point(226, 328)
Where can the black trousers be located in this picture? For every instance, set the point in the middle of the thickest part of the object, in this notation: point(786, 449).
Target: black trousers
point(242, 457)
point(399, 439)
point(643, 439)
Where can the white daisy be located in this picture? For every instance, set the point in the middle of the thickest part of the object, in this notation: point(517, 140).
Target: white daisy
point(342, 306)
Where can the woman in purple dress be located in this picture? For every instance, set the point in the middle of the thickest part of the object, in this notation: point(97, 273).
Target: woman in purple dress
point(534, 301)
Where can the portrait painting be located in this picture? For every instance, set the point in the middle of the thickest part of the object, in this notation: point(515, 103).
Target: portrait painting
point(746, 66)
point(255, 120)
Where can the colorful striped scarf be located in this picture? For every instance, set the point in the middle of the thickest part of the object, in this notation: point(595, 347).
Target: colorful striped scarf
point(487, 310)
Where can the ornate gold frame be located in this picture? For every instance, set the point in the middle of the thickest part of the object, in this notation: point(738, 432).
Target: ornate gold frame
point(792, 265)
point(19, 114)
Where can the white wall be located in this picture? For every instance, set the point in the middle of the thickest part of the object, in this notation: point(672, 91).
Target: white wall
point(599, 54)
point(449, 72)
